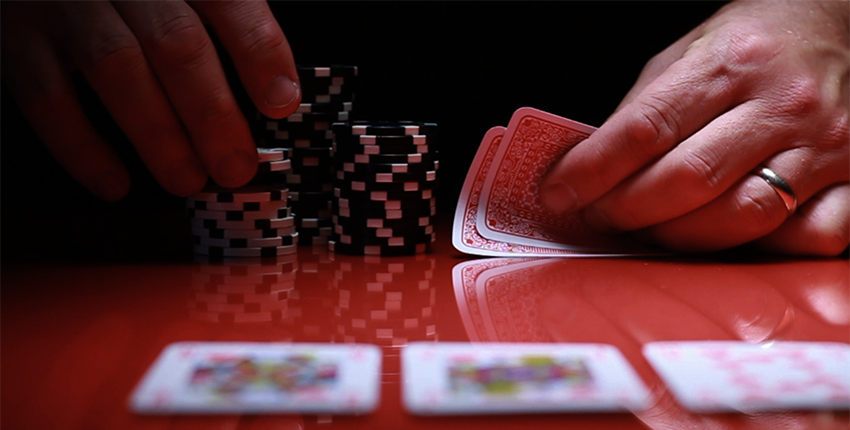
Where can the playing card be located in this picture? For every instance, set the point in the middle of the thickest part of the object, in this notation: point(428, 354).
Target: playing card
point(242, 377)
point(465, 235)
point(717, 376)
point(478, 378)
point(509, 209)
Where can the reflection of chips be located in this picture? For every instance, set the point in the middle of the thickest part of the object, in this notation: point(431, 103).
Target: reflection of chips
point(284, 374)
point(506, 376)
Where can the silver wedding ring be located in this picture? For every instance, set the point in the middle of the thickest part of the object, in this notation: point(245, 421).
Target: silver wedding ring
point(781, 187)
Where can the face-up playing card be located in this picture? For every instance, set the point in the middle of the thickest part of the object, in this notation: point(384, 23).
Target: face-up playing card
point(242, 377)
point(718, 376)
point(488, 378)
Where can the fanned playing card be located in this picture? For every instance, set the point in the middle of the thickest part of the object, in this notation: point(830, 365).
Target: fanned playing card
point(499, 212)
point(719, 376)
point(479, 378)
point(245, 377)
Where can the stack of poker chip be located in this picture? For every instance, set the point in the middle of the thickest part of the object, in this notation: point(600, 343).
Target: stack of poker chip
point(252, 221)
point(384, 190)
point(327, 97)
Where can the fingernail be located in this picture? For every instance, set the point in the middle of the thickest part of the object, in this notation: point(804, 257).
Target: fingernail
point(281, 92)
point(111, 186)
point(597, 221)
point(187, 178)
point(559, 198)
point(235, 169)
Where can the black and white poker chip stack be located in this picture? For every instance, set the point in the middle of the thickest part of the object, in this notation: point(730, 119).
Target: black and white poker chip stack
point(327, 97)
point(252, 221)
point(384, 190)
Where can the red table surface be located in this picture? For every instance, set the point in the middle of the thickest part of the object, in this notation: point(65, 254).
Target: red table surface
point(76, 338)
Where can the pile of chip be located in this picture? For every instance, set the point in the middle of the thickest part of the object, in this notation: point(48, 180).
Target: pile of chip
point(327, 97)
point(252, 221)
point(383, 195)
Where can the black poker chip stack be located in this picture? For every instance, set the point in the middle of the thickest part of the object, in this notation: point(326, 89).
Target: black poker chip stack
point(251, 221)
point(384, 190)
point(327, 97)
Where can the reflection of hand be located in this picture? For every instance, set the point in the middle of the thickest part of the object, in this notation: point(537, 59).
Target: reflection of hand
point(154, 67)
point(758, 84)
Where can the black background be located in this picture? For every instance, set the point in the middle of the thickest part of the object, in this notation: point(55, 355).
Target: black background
point(466, 66)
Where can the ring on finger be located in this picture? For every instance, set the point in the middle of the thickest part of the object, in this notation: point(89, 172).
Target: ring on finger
point(780, 186)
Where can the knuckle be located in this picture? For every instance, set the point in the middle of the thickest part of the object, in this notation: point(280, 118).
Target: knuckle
point(800, 97)
point(702, 170)
point(759, 212)
point(115, 53)
point(656, 127)
point(746, 49)
point(219, 111)
point(264, 39)
point(180, 40)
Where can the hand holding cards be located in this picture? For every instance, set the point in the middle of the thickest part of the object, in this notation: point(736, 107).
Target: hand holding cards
point(499, 212)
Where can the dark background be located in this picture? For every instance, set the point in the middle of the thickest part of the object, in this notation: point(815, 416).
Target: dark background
point(466, 66)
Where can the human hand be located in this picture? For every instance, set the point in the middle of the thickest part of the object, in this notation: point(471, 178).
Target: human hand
point(758, 84)
point(155, 68)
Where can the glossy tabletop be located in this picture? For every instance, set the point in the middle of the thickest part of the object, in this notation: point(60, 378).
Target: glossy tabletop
point(76, 338)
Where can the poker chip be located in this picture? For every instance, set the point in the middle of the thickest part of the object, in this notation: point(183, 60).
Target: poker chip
point(313, 82)
point(390, 158)
point(362, 240)
point(308, 117)
point(387, 167)
point(383, 195)
point(381, 222)
point(242, 234)
point(256, 193)
point(369, 139)
point(274, 166)
point(270, 251)
point(385, 128)
point(424, 176)
point(331, 98)
point(325, 107)
point(272, 154)
point(400, 149)
point(363, 214)
point(238, 215)
point(257, 224)
point(247, 243)
point(326, 71)
point(384, 205)
point(383, 232)
point(378, 249)
point(313, 222)
point(206, 205)
point(287, 135)
point(384, 186)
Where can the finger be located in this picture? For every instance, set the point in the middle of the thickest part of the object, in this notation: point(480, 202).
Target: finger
point(689, 94)
point(260, 51)
point(708, 163)
point(112, 61)
point(46, 96)
point(820, 227)
point(184, 59)
point(747, 211)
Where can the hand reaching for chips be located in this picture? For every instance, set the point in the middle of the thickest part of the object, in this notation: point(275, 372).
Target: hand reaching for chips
point(155, 68)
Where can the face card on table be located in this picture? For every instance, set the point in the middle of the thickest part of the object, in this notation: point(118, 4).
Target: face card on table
point(497, 378)
point(720, 376)
point(243, 377)
point(509, 208)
